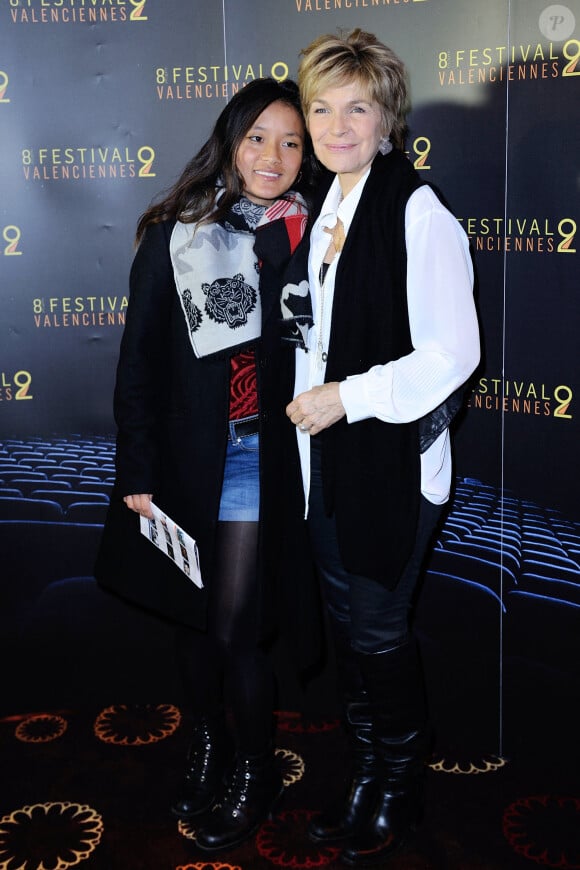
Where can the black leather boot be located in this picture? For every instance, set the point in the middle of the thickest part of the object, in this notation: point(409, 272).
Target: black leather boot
point(356, 805)
point(395, 686)
point(246, 801)
point(207, 759)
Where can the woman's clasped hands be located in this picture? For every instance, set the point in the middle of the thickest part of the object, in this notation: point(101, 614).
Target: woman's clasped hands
point(317, 408)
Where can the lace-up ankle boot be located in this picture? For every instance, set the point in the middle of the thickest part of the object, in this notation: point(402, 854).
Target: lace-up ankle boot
point(207, 759)
point(247, 800)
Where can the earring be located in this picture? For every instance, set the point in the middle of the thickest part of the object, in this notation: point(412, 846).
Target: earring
point(385, 145)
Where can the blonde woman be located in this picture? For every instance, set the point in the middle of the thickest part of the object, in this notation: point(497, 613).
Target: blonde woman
point(395, 336)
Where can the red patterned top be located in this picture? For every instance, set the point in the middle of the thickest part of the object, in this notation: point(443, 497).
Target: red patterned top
point(243, 387)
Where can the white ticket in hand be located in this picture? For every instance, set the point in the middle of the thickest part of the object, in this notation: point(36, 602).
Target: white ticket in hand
point(168, 537)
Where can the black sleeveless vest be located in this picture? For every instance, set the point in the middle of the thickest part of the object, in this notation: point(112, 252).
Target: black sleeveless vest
point(371, 469)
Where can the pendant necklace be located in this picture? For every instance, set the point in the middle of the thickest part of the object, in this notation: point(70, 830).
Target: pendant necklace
point(335, 247)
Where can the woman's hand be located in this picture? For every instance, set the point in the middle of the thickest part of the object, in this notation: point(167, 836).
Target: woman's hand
point(317, 409)
point(141, 504)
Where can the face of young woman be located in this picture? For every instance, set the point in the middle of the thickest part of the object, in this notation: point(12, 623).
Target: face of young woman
point(346, 129)
point(270, 154)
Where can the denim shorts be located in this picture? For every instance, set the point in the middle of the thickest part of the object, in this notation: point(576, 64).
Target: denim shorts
point(240, 499)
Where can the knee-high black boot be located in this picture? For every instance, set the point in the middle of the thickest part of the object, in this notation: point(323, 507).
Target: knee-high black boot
point(395, 686)
point(208, 756)
point(353, 810)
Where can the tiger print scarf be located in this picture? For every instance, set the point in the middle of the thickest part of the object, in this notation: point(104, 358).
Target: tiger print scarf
point(220, 271)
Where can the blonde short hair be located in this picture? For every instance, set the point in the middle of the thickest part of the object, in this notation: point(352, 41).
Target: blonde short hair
point(332, 61)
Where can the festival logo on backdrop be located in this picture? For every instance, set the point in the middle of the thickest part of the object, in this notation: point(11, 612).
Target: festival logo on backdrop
point(11, 236)
point(419, 151)
point(78, 311)
point(523, 235)
point(90, 162)
point(77, 11)
point(212, 81)
point(15, 386)
point(531, 62)
point(523, 397)
point(338, 5)
point(59, 312)
point(4, 98)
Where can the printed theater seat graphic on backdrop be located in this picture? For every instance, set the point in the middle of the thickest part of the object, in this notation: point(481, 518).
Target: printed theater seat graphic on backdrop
point(102, 103)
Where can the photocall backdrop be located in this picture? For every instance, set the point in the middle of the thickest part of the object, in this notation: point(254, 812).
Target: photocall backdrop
point(102, 102)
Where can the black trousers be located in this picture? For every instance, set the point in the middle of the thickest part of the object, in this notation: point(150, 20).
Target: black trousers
point(375, 618)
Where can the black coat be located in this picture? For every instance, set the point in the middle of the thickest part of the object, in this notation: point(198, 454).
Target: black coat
point(171, 410)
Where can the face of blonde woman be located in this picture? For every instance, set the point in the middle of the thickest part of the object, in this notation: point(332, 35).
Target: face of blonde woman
point(346, 128)
point(270, 154)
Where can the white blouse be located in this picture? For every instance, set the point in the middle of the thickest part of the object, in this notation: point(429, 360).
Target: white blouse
point(442, 319)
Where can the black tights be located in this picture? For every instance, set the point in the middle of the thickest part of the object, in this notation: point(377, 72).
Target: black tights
point(225, 664)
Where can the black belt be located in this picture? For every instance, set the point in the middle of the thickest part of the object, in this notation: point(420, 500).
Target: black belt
point(243, 428)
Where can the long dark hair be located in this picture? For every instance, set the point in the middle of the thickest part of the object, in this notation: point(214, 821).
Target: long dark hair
point(193, 196)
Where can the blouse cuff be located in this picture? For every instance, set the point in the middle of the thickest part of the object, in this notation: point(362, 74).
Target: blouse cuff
point(354, 399)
